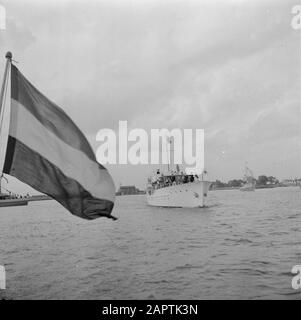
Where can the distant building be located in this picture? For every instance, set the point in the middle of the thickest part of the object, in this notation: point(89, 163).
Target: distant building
point(128, 190)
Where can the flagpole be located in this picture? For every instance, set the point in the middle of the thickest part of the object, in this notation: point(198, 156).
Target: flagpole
point(8, 56)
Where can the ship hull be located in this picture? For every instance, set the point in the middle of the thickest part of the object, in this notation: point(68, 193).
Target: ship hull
point(13, 203)
point(188, 195)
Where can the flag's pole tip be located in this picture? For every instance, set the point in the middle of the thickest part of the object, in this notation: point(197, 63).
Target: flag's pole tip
point(8, 55)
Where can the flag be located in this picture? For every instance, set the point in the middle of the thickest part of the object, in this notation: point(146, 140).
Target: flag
point(47, 151)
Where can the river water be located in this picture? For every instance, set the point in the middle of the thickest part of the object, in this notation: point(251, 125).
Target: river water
point(243, 246)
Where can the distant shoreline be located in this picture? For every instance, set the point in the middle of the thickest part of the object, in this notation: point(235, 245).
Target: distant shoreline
point(256, 187)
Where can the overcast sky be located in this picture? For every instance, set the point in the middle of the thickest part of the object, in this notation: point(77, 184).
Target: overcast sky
point(230, 67)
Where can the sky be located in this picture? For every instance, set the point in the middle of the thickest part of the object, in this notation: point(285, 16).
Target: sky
point(230, 67)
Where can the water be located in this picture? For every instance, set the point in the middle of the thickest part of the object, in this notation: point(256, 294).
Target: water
point(243, 246)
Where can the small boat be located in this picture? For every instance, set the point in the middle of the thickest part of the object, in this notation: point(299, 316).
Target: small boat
point(6, 201)
point(177, 189)
point(9, 199)
point(249, 184)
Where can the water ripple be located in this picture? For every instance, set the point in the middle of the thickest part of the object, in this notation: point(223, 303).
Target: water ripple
point(242, 246)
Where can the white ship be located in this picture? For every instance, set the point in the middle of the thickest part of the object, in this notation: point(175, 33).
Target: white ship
point(249, 181)
point(177, 189)
point(185, 191)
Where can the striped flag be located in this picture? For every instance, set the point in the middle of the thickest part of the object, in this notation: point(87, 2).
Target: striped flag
point(47, 151)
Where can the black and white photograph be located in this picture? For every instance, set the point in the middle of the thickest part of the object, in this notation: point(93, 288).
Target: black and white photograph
point(150, 150)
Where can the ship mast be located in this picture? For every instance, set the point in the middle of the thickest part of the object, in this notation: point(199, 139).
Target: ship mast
point(8, 56)
point(170, 153)
point(168, 159)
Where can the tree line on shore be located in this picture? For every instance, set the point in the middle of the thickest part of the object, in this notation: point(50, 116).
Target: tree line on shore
point(261, 181)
